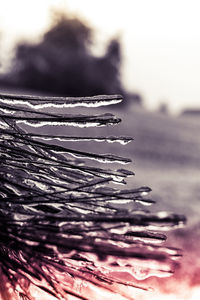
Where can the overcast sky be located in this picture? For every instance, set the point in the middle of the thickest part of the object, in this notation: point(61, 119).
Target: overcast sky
point(160, 41)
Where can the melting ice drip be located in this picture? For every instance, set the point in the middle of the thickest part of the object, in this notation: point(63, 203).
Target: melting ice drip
point(65, 231)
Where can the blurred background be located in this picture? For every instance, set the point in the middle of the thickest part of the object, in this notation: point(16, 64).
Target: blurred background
point(148, 51)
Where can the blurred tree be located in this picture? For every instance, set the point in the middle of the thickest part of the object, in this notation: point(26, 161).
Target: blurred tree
point(63, 64)
point(163, 108)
